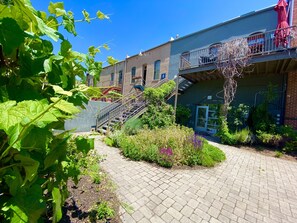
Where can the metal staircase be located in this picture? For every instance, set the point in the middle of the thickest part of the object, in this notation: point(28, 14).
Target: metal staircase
point(131, 105)
point(118, 112)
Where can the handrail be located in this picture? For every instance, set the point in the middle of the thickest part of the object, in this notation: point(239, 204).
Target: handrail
point(114, 109)
point(261, 43)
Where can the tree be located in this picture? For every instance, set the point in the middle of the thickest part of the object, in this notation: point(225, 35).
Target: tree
point(233, 57)
point(38, 92)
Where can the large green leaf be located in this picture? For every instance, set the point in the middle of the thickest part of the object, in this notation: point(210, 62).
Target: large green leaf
point(24, 111)
point(11, 35)
point(84, 144)
point(65, 106)
point(28, 205)
point(30, 165)
point(18, 215)
point(57, 8)
point(14, 180)
point(59, 90)
point(57, 199)
point(68, 23)
point(65, 47)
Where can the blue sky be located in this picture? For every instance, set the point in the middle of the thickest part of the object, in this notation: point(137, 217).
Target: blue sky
point(138, 25)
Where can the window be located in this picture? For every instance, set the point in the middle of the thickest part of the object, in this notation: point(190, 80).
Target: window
point(256, 42)
point(157, 69)
point(133, 73)
point(120, 77)
point(112, 79)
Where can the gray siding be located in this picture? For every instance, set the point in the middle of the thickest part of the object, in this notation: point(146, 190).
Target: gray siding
point(261, 21)
point(249, 88)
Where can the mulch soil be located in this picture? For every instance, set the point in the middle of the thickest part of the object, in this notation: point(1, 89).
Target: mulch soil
point(84, 196)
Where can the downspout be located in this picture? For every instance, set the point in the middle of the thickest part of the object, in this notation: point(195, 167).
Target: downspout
point(291, 12)
point(284, 96)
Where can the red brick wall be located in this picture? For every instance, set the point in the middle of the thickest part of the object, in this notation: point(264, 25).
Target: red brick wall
point(294, 41)
point(291, 100)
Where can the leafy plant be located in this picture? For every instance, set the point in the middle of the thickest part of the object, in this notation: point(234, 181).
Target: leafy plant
point(245, 136)
point(183, 115)
point(38, 92)
point(237, 117)
point(278, 154)
point(132, 126)
point(223, 132)
point(259, 117)
point(159, 114)
point(102, 212)
point(171, 146)
point(270, 139)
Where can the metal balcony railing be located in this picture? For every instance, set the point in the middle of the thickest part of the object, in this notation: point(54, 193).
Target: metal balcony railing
point(261, 43)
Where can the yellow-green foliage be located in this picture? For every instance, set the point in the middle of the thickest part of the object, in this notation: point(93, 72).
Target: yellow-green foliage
point(174, 145)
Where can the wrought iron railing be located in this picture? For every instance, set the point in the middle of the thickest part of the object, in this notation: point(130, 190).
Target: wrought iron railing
point(261, 43)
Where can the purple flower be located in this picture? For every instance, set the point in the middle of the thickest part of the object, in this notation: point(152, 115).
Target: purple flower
point(166, 151)
point(196, 141)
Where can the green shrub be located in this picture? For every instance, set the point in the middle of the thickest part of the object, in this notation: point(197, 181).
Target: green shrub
point(278, 154)
point(151, 154)
point(101, 212)
point(174, 145)
point(243, 137)
point(115, 138)
point(132, 126)
point(223, 132)
point(159, 113)
point(108, 141)
point(237, 117)
point(215, 153)
point(183, 115)
point(269, 139)
point(130, 149)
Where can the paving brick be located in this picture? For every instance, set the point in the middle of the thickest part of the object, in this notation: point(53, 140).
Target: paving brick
point(174, 213)
point(168, 202)
point(247, 187)
point(187, 211)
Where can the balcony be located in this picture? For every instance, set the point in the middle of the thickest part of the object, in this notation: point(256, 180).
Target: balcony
point(260, 44)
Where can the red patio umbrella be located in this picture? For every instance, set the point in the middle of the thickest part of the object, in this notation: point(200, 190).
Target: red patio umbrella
point(282, 30)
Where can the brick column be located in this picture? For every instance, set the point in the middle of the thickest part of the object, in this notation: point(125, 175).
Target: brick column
point(294, 23)
point(291, 100)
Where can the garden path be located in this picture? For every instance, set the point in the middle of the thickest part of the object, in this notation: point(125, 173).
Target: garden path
point(247, 187)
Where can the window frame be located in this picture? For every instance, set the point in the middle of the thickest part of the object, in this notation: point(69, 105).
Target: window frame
point(157, 69)
point(133, 75)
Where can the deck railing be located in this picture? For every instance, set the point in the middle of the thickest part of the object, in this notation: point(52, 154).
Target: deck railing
point(261, 43)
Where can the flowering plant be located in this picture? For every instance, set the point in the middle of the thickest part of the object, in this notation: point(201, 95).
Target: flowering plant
point(196, 141)
point(165, 157)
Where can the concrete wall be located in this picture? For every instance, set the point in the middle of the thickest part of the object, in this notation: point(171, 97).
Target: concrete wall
point(249, 89)
point(148, 58)
point(84, 121)
point(245, 25)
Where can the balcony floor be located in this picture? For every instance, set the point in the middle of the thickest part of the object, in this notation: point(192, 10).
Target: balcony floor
point(278, 62)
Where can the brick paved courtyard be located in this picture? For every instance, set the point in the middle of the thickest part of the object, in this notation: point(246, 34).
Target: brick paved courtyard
point(247, 187)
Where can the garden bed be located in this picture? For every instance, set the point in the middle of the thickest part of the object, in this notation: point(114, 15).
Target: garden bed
point(85, 198)
point(167, 147)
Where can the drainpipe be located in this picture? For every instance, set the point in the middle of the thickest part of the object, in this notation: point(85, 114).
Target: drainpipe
point(291, 12)
point(284, 97)
point(176, 95)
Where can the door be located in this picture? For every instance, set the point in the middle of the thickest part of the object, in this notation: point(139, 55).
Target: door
point(201, 118)
point(144, 71)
